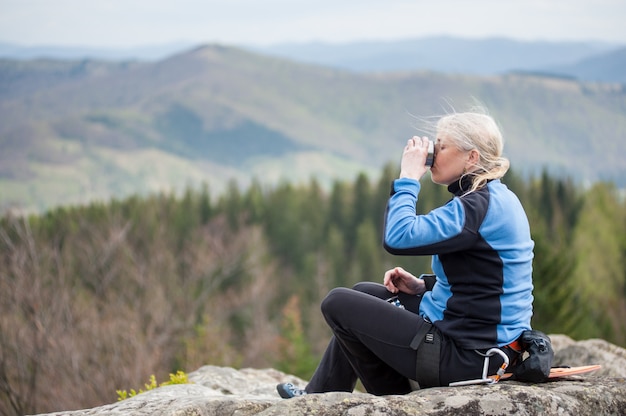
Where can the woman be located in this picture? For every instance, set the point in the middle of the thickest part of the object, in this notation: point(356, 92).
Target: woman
point(480, 295)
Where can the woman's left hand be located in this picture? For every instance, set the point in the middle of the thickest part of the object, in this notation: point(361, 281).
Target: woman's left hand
point(399, 280)
point(413, 164)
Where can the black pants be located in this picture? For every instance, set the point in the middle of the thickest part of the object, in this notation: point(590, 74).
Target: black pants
point(371, 342)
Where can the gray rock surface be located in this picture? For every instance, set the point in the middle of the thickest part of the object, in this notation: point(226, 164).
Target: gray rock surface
point(226, 391)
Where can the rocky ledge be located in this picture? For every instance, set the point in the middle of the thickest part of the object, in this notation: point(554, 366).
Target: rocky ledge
point(226, 391)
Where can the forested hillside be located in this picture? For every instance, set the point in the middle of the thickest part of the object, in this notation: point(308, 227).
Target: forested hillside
point(98, 297)
point(78, 131)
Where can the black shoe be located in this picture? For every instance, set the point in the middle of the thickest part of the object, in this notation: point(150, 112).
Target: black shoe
point(288, 390)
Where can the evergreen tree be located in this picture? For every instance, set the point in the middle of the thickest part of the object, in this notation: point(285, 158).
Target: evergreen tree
point(336, 253)
point(231, 204)
point(368, 253)
point(381, 196)
point(597, 284)
point(361, 207)
point(204, 204)
point(338, 215)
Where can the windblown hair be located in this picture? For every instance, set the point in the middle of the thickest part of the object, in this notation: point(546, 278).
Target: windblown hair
point(477, 130)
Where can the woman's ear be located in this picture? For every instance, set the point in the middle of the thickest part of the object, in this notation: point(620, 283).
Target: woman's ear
point(473, 157)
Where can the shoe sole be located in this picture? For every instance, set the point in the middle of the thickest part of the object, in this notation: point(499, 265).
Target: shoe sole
point(285, 394)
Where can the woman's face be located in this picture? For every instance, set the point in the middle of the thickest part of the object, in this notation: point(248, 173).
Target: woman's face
point(450, 162)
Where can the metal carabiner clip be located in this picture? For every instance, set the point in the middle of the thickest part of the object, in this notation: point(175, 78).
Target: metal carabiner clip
point(486, 379)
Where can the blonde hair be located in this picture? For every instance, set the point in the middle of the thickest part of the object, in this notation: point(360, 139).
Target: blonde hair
point(477, 130)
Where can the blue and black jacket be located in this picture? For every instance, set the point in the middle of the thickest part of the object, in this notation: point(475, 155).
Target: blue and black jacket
point(482, 255)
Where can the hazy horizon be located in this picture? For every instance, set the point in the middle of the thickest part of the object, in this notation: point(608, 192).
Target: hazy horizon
point(142, 23)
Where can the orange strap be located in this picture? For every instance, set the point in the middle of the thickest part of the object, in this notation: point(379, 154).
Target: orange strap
point(515, 346)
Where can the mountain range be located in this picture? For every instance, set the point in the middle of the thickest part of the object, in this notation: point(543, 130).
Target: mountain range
point(587, 61)
point(72, 131)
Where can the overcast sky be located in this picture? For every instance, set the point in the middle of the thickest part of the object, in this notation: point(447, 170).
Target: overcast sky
point(130, 23)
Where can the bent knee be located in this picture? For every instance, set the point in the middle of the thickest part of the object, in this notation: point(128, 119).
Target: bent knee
point(334, 300)
point(362, 286)
point(374, 289)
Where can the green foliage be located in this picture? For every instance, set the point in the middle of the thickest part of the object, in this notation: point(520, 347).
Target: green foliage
point(179, 378)
point(597, 283)
point(294, 349)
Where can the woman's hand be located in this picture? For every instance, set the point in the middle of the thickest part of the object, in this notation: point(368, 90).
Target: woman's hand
point(399, 280)
point(413, 164)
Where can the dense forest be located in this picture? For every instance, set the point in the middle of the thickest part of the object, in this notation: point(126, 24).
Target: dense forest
point(98, 297)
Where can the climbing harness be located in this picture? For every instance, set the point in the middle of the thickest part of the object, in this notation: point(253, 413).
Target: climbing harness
point(427, 343)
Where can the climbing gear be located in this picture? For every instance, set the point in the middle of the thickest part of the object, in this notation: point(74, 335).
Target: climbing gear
point(486, 379)
point(516, 346)
point(535, 367)
point(427, 343)
point(538, 357)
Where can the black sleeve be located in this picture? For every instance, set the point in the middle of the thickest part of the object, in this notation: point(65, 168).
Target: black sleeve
point(429, 280)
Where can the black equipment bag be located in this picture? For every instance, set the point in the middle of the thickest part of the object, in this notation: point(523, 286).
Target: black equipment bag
point(536, 366)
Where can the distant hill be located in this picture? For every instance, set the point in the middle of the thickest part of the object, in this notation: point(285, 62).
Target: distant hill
point(74, 131)
point(140, 53)
point(606, 67)
point(484, 56)
point(489, 56)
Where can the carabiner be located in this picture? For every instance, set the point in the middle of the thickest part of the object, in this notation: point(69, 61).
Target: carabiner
point(486, 379)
